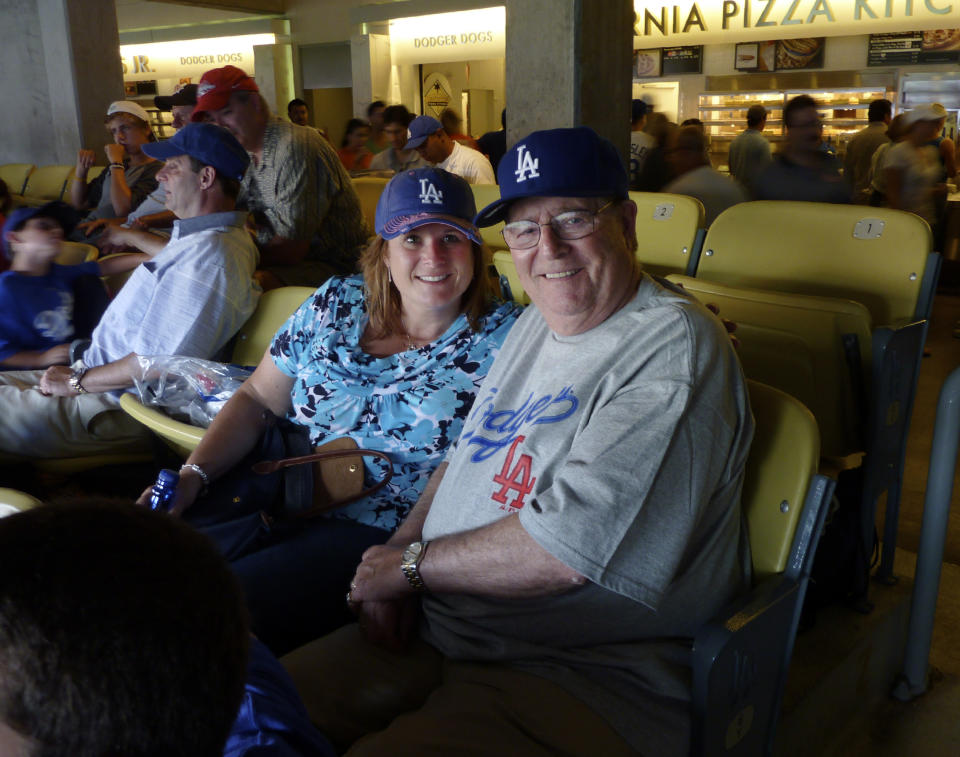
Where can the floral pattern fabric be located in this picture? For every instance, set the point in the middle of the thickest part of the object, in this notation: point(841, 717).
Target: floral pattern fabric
point(411, 405)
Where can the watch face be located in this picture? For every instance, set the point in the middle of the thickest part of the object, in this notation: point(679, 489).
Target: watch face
point(412, 552)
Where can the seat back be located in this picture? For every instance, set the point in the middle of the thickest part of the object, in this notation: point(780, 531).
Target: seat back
point(72, 253)
point(15, 175)
point(670, 231)
point(783, 458)
point(483, 195)
point(817, 349)
point(13, 501)
point(369, 189)
point(510, 286)
point(740, 658)
point(876, 256)
point(47, 183)
point(274, 308)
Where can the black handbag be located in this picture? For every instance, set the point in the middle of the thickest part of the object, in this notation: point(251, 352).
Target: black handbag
point(272, 490)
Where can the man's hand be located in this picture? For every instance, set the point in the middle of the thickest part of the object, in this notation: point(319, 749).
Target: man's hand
point(113, 240)
point(92, 227)
point(85, 160)
point(379, 577)
point(388, 624)
point(115, 153)
point(54, 381)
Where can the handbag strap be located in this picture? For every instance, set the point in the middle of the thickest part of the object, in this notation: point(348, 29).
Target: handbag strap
point(271, 466)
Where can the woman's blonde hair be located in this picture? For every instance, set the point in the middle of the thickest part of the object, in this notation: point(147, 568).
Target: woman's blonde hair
point(383, 297)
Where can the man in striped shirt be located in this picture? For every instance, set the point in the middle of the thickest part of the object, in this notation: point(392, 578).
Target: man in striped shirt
point(307, 217)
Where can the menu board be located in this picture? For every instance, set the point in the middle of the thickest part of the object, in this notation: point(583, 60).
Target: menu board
point(905, 48)
point(804, 52)
point(682, 60)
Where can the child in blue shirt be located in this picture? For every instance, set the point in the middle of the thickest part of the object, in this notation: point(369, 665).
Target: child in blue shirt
point(43, 305)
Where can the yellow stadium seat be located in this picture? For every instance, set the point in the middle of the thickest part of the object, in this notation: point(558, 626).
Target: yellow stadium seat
point(510, 286)
point(670, 231)
point(801, 345)
point(785, 504)
point(13, 501)
point(250, 344)
point(369, 189)
point(45, 184)
point(15, 175)
point(879, 257)
point(76, 252)
point(483, 195)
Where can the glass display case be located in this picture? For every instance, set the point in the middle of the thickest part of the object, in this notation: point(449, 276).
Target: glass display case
point(843, 110)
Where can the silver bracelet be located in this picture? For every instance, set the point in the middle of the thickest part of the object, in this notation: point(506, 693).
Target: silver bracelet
point(199, 471)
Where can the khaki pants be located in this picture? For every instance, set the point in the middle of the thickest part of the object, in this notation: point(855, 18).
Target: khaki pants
point(34, 425)
point(420, 704)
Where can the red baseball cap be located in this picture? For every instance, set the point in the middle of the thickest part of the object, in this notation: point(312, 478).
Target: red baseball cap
point(216, 86)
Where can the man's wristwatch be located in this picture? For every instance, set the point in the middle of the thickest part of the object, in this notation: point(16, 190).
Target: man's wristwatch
point(410, 564)
point(74, 381)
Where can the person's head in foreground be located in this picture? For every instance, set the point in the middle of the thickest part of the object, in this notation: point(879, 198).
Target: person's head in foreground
point(122, 634)
point(204, 162)
point(427, 258)
point(570, 226)
point(36, 234)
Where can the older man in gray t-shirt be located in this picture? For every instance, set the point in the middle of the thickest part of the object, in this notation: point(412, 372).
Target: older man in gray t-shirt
point(586, 523)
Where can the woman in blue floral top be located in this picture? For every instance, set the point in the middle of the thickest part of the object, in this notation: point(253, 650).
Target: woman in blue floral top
point(392, 360)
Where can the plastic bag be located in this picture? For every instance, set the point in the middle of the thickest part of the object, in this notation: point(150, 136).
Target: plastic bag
point(187, 388)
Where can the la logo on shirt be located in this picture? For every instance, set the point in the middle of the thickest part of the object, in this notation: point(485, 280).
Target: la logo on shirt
point(498, 429)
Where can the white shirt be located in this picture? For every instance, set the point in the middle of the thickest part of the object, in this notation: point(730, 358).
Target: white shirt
point(470, 164)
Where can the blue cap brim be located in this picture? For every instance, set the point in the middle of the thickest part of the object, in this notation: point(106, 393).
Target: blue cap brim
point(415, 142)
point(492, 214)
point(163, 150)
point(404, 224)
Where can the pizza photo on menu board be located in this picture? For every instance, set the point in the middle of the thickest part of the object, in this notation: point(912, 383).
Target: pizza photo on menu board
point(646, 63)
point(941, 39)
point(804, 52)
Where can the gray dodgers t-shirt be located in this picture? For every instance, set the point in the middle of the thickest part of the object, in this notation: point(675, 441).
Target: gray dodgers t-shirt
point(621, 450)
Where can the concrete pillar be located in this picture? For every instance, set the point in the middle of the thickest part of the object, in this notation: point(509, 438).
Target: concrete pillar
point(568, 64)
point(370, 65)
point(59, 70)
point(273, 65)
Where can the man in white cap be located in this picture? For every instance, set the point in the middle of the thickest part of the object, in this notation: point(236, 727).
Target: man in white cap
point(435, 146)
point(130, 175)
point(309, 224)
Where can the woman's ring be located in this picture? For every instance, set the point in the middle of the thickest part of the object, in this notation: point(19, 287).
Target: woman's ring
point(349, 599)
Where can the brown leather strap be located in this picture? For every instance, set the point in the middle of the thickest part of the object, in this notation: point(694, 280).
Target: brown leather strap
point(271, 466)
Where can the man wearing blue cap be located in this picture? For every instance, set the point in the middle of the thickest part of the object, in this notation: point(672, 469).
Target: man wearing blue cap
point(189, 299)
point(586, 523)
point(428, 138)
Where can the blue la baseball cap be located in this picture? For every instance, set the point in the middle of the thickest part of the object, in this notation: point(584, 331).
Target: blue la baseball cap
point(426, 195)
point(61, 212)
point(208, 143)
point(574, 162)
point(420, 128)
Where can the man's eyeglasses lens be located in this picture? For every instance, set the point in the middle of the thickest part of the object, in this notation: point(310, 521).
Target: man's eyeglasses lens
point(574, 224)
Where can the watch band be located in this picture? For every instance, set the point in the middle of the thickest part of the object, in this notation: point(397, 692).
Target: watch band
point(74, 381)
point(410, 564)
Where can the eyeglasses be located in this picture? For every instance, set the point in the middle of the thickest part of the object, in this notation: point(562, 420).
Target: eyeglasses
point(574, 224)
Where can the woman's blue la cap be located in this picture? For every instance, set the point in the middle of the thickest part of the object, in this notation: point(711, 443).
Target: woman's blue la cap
point(575, 162)
point(208, 143)
point(426, 195)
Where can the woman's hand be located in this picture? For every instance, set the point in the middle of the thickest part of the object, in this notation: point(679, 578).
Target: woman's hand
point(186, 494)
